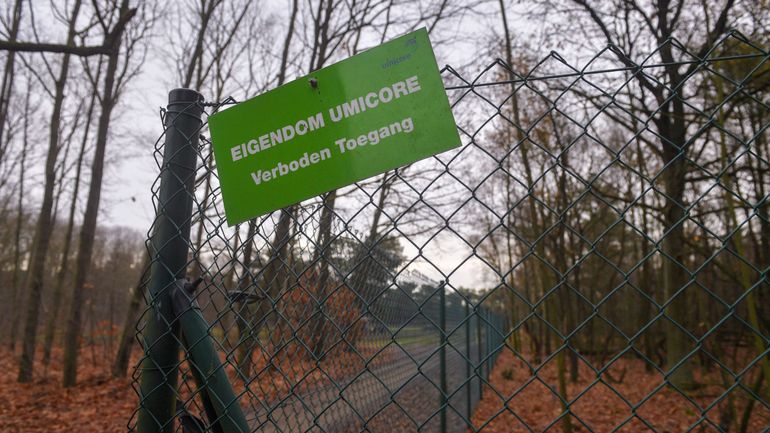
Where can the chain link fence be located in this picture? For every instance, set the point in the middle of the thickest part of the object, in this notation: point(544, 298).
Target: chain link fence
point(593, 258)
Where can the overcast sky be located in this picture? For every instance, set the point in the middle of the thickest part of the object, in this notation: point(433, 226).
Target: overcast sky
point(132, 170)
point(127, 192)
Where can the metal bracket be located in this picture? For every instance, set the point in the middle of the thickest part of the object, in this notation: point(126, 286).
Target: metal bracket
point(183, 295)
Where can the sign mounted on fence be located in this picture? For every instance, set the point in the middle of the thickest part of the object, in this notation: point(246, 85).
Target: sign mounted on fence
point(374, 112)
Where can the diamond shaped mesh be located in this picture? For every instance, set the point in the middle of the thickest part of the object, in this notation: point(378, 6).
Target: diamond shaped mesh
point(593, 258)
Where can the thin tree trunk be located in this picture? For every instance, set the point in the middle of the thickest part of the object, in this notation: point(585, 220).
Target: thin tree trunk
point(562, 305)
point(6, 89)
point(246, 314)
point(44, 227)
point(272, 281)
point(538, 273)
point(246, 339)
point(88, 229)
point(16, 278)
point(126, 342)
point(363, 261)
point(195, 61)
point(63, 266)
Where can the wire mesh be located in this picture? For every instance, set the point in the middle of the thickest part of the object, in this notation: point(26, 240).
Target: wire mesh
point(614, 218)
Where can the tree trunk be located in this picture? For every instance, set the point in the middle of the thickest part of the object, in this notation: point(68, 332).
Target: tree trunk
point(245, 315)
point(126, 342)
point(88, 229)
point(16, 278)
point(272, 281)
point(363, 261)
point(673, 246)
point(319, 255)
point(63, 266)
point(6, 89)
point(44, 227)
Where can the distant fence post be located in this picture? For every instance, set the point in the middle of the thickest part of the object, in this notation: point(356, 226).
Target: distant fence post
point(488, 343)
point(468, 356)
point(442, 354)
point(479, 366)
point(168, 250)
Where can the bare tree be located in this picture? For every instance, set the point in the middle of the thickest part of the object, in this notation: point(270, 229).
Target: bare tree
point(246, 333)
point(63, 270)
point(659, 23)
point(16, 279)
point(37, 267)
point(117, 75)
point(6, 88)
point(125, 343)
point(110, 43)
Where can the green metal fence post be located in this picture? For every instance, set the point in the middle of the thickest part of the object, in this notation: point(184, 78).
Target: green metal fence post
point(220, 402)
point(442, 355)
point(168, 249)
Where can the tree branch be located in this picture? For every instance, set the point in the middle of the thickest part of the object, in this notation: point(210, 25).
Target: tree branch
point(111, 42)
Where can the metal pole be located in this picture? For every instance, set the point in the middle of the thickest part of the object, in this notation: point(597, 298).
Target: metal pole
point(468, 356)
point(501, 336)
point(498, 338)
point(168, 250)
point(489, 344)
point(495, 342)
point(219, 400)
point(499, 327)
point(442, 356)
point(479, 366)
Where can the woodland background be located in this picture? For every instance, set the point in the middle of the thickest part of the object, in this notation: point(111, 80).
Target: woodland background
point(82, 80)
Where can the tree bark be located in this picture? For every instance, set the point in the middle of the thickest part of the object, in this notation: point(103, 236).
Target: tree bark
point(126, 342)
point(16, 278)
point(61, 275)
point(6, 89)
point(272, 281)
point(672, 245)
point(88, 229)
point(246, 315)
point(44, 227)
point(246, 339)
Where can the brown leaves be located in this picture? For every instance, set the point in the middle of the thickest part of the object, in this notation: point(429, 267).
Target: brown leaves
point(97, 404)
point(533, 400)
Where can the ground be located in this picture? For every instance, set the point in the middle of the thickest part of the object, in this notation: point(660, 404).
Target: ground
point(520, 402)
point(512, 400)
point(98, 403)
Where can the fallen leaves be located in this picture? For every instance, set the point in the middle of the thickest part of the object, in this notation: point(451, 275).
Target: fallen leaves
point(641, 402)
point(98, 404)
point(522, 400)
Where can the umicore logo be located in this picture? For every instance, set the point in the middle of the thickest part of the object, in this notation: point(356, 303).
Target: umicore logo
point(411, 45)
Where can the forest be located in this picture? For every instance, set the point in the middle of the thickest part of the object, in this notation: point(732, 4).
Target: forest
point(593, 258)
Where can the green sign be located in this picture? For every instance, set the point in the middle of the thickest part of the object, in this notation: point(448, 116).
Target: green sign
point(374, 112)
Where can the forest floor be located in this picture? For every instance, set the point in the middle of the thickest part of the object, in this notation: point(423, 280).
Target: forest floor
point(515, 402)
point(98, 404)
point(521, 403)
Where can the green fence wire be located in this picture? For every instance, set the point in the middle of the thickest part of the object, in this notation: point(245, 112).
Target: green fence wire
point(593, 258)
